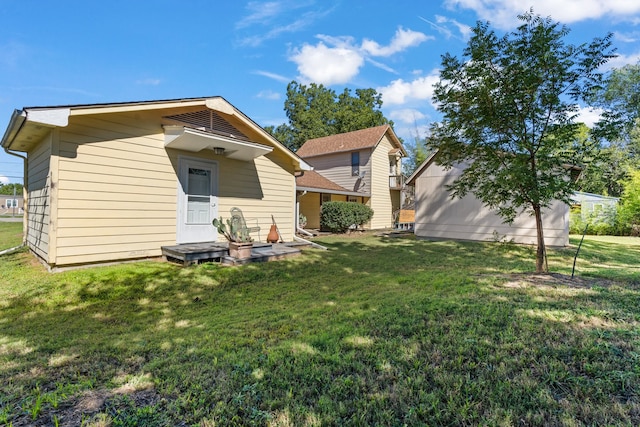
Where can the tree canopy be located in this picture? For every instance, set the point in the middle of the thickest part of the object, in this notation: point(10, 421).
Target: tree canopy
point(629, 210)
point(315, 111)
point(9, 189)
point(621, 97)
point(509, 107)
point(621, 156)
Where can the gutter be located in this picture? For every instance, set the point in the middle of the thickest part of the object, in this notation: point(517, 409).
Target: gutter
point(328, 190)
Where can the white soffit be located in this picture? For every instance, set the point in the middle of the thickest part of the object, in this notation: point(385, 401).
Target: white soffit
point(50, 117)
point(194, 140)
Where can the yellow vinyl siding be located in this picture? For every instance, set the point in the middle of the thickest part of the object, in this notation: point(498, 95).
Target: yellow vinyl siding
point(260, 188)
point(117, 191)
point(381, 199)
point(310, 207)
point(104, 188)
point(38, 203)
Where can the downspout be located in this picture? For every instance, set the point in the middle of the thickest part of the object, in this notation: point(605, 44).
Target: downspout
point(19, 115)
point(313, 244)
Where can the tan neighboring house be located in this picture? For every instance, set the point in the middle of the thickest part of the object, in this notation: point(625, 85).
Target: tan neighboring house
point(362, 166)
point(11, 204)
point(439, 216)
point(112, 182)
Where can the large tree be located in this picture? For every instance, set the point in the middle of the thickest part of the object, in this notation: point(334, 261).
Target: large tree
point(11, 189)
point(606, 173)
point(509, 107)
point(621, 98)
point(315, 111)
point(629, 209)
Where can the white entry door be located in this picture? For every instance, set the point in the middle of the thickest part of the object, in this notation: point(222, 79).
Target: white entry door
point(197, 200)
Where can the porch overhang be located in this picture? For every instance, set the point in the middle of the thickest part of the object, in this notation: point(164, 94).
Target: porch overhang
point(195, 140)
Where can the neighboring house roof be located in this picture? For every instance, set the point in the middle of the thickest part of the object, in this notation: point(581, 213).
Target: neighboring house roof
point(421, 168)
point(579, 196)
point(314, 182)
point(429, 160)
point(349, 141)
point(29, 125)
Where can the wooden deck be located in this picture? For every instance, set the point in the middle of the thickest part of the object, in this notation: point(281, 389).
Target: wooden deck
point(194, 253)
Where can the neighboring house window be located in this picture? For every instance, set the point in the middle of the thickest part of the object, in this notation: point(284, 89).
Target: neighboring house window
point(355, 163)
point(354, 199)
point(325, 198)
point(12, 203)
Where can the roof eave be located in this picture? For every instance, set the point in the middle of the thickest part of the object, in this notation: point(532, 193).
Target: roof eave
point(18, 117)
point(421, 168)
point(331, 191)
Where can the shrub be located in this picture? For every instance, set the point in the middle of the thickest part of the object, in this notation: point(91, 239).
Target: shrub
point(338, 217)
point(629, 211)
point(602, 222)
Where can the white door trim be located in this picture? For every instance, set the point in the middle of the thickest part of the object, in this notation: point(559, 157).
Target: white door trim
point(204, 230)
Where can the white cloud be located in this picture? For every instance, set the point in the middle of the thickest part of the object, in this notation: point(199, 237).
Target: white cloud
point(327, 65)
point(272, 18)
point(277, 77)
point(4, 180)
point(402, 40)
point(382, 66)
point(337, 60)
point(503, 13)
point(260, 13)
point(441, 26)
point(622, 60)
point(406, 115)
point(268, 94)
point(630, 37)
point(589, 116)
point(401, 92)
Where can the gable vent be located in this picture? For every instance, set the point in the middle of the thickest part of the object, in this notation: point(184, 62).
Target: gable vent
point(210, 121)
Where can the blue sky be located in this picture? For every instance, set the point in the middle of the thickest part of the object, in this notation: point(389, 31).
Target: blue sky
point(84, 52)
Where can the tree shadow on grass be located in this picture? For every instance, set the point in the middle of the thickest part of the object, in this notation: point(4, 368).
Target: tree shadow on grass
point(372, 331)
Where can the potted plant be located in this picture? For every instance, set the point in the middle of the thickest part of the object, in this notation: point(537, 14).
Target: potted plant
point(302, 221)
point(240, 242)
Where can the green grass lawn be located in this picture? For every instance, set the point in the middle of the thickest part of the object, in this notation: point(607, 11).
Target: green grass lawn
point(374, 331)
point(10, 234)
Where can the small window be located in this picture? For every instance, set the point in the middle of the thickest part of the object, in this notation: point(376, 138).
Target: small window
point(355, 163)
point(354, 199)
point(326, 197)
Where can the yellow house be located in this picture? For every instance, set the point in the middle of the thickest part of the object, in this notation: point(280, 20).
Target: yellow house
point(112, 182)
point(362, 166)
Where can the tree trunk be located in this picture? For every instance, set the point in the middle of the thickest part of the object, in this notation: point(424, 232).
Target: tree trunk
point(541, 250)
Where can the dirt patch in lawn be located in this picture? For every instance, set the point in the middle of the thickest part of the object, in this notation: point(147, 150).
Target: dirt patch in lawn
point(521, 280)
point(86, 407)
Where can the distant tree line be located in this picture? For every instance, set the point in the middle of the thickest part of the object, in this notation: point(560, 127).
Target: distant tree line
point(9, 189)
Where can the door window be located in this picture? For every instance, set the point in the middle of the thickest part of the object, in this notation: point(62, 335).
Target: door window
point(198, 193)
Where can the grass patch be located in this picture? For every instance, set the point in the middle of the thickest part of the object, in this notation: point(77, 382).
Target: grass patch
point(10, 234)
point(373, 331)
